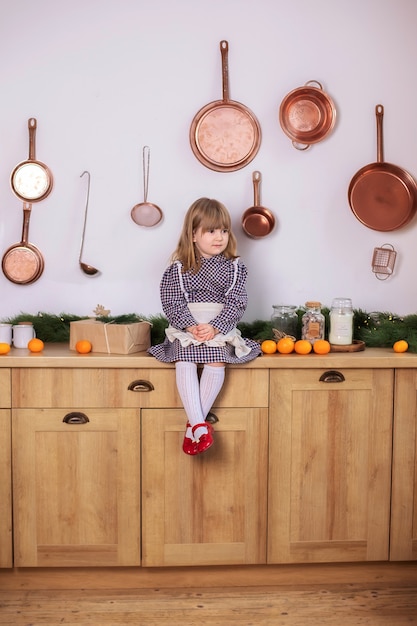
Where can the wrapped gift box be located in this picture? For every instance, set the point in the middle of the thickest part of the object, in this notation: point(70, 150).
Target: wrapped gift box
point(110, 337)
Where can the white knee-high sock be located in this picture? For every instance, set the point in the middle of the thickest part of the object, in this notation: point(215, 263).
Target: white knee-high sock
point(211, 382)
point(189, 389)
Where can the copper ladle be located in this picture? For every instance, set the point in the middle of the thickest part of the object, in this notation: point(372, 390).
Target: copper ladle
point(87, 269)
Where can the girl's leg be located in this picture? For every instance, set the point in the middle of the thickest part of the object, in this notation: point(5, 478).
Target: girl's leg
point(189, 389)
point(211, 382)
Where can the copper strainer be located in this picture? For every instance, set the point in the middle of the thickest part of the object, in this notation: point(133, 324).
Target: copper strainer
point(383, 261)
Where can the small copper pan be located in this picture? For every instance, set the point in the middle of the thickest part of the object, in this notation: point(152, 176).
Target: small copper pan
point(257, 221)
point(307, 115)
point(225, 135)
point(31, 180)
point(23, 263)
point(381, 195)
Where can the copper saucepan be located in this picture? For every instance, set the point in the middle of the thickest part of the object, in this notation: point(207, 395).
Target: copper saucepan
point(23, 263)
point(31, 180)
point(307, 115)
point(225, 135)
point(381, 195)
point(257, 221)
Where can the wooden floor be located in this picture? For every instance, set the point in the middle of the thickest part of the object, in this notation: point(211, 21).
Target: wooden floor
point(312, 605)
point(373, 594)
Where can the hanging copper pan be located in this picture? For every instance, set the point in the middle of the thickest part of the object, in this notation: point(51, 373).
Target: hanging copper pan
point(31, 180)
point(381, 195)
point(257, 221)
point(307, 115)
point(23, 263)
point(225, 135)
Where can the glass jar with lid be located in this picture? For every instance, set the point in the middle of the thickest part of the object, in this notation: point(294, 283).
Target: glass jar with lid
point(312, 322)
point(284, 320)
point(341, 322)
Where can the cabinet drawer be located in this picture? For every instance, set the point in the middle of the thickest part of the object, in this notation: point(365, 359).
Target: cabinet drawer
point(5, 398)
point(142, 388)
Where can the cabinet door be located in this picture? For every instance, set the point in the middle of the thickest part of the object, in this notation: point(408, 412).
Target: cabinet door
point(76, 487)
point(209, 509)
point(404, 473)
point(5, 490)
point(330, 465)
point(5, 389)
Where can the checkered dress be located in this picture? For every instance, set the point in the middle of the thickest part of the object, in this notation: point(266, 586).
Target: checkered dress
point(219, 280)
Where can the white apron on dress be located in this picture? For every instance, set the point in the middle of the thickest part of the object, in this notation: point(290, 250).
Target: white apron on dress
point(203, 312)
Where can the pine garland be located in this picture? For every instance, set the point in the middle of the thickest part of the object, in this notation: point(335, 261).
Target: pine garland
point(376, 329)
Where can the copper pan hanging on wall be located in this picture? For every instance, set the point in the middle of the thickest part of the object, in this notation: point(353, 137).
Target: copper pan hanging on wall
point(31, 180)
point(225, 135)
point(22, 263)
point(381, 195)
point(257, 221)
point(307, 115)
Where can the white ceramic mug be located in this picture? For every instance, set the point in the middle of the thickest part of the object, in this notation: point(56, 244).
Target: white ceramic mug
point(6, 333)
point(22, 334)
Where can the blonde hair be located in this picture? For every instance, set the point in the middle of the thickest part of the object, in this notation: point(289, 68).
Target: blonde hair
point(206, 214)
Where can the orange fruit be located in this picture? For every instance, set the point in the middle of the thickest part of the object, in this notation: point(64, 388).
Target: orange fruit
point(302, 346)
point(321, 346)
point(4, 348)
point(36, 345)
point(83, 346)
point(269, 346)
point(285, 345)
point(400, 346)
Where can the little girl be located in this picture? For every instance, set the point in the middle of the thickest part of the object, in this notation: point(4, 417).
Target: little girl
point(203, 295)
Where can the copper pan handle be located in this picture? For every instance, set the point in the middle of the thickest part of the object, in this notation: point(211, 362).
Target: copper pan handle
point(379, 111)
point(224, 49)
point(256, 178)
point(27, 209)
point(32, 124)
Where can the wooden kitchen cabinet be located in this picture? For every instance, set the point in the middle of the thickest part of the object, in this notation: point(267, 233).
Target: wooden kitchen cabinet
point(330, 465)
point(5, 490)
point(5, 470)
point(209, 509)
point(76, 487)
point(404, 470)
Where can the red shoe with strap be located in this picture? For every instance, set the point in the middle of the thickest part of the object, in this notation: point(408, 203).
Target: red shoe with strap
point(189, 446)
point(205, 441)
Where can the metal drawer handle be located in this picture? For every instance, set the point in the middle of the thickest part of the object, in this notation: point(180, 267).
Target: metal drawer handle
point(332, 376)
point(141, 385)
point(76, 417)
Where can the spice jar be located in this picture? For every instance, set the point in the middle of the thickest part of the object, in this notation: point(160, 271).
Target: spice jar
point(341, 322)
point(312, 322)
point(284, 320)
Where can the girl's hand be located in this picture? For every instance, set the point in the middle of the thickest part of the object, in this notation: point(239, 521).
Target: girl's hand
point(205, 332)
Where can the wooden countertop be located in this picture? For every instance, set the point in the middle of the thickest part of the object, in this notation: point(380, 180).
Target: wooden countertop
point(59, 355)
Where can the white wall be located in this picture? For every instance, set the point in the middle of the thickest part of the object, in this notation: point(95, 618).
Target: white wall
point(106, 77)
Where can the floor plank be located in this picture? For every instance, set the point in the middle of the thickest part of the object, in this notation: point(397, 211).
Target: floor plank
point(315, 605)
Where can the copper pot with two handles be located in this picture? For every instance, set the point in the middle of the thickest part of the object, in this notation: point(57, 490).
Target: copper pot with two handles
point(307, 115)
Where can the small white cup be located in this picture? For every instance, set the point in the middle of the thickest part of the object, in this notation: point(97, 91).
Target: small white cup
point(22, 334)
point(6, 333)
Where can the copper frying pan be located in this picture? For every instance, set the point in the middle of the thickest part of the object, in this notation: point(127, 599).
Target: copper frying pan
point(257, 221)
point(23, 263)
point(381, 195)
point(225, 135)
point(31, 180)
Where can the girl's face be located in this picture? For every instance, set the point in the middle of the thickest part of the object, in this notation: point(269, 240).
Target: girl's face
point(211, 242)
